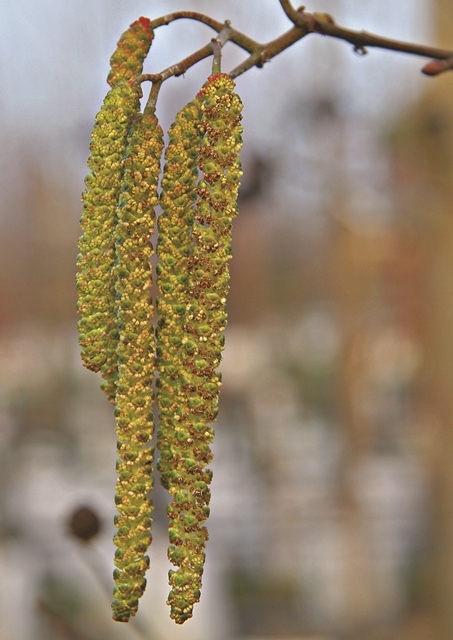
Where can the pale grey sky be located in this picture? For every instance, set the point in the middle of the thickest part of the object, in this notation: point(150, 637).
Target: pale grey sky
point(55, 52)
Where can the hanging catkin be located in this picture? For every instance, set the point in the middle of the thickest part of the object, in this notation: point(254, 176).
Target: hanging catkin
point(174, 248)
point(135, 353)
point(194, 318)
point(97, 327)
point(114, 301)
point(132, 49)
point(95, 284)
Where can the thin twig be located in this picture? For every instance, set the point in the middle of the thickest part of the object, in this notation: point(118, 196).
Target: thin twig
point(152, 98)
point(266, 52)
point(181, 67)
point(217, 56)
point(324, 24)
point(239, 38)
point(296, 17)
point(189, 15)
point(362, 39)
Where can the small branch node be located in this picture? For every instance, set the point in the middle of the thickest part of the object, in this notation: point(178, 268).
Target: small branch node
point(264, 57)
point(313, 25)
point(325, 17)
point(225, 34)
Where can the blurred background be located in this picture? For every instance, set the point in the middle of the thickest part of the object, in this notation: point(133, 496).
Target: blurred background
point(332, 510)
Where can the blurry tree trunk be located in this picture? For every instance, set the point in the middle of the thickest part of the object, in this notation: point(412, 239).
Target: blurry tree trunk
point(356, 260)
point(424, 180)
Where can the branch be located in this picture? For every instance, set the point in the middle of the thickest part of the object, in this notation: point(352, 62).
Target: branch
point(240, 39)
point(325, 25)
point(266, 52)
point(212, 48)
point(304, 23)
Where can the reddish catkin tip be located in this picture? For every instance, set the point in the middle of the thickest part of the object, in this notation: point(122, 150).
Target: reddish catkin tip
point(145, 23)
point(127, 60)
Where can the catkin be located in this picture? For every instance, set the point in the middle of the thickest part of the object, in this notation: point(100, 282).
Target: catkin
point(132, 49)
point(195, 318)
point(95, 283)
point(174, 248)
point(135, 353)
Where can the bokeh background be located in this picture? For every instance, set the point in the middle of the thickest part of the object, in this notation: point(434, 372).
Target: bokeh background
point(332, 510)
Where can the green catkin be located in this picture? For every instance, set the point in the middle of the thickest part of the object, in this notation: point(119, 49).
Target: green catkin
point(135, 354)
point(174, 248)
point(196, 318)
point(95, 283)
point(132, 49)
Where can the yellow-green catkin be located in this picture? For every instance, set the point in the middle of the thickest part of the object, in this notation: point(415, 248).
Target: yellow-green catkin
point(174, 249)
point(135, 353)
point(201, 305)
point(95, 284)
point(132, 49)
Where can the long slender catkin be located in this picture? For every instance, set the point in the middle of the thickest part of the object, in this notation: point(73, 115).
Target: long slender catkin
point(97, 327)
point(174, 249)
point(194, 317)
point(135, 353)
point(95, 284)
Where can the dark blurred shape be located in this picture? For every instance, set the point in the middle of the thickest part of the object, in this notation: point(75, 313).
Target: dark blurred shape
point(322, 108)
point(84, 524)
point(257, 179)
point(266, 604)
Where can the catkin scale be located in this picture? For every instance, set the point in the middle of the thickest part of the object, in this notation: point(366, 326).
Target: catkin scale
point(135, 357)
point(95, 284)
